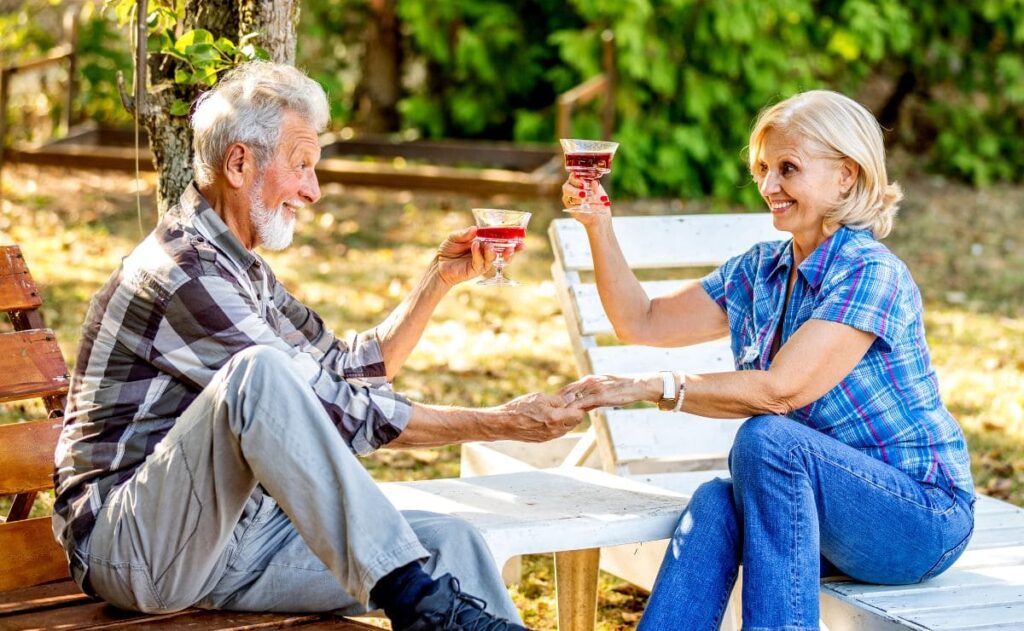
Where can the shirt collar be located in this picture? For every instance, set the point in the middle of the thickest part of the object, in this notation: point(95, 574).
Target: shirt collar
point(783, 259)
point(196, 210)
point(814, 266)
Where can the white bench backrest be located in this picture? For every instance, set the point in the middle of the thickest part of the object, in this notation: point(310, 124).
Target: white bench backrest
point(644, 442)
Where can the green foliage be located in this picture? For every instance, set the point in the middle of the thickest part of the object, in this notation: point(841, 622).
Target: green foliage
point(329, 50)
point(28, 31)
point(485, 61)
point(199, 57)
point(693, 75)
point(101, 53)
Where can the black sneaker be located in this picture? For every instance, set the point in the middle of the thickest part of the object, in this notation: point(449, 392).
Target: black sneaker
point(446, 608)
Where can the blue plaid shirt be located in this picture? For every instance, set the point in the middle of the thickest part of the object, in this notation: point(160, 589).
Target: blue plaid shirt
point(888, 406)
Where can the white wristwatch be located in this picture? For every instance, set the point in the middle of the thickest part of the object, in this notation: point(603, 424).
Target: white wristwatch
point(667, 402)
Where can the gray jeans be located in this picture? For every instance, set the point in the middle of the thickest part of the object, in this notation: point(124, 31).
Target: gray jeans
point(253, 502)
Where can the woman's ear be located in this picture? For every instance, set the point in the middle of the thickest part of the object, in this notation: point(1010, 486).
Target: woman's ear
point(235, 164)
point(848, 172)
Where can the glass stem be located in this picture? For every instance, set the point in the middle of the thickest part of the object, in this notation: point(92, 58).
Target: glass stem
point(585, 204)
point(499, 262)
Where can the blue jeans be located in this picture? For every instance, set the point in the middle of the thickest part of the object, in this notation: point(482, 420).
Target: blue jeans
point(799, 502)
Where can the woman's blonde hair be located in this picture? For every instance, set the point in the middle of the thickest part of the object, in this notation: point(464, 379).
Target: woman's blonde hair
point(842, 128)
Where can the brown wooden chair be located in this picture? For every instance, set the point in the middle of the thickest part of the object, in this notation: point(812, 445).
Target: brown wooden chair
point(35, 589)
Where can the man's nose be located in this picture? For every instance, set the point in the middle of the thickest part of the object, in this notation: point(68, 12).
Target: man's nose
point(310, 190)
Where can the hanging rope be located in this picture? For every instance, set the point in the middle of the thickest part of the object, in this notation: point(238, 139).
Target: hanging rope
point(140, 92)
point(135, 104)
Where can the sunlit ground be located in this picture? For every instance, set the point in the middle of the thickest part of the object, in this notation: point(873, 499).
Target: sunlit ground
point(360, 250)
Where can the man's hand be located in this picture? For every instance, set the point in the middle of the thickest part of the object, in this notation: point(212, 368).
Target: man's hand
point(462, 257)
point(594, 391)
point(537, 417)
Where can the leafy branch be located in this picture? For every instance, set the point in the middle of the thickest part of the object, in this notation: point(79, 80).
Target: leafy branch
point(199, 58)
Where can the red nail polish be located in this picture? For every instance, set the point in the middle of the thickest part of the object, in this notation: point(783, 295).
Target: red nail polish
point(604, 198)
point(583, 194)
point(608, 204)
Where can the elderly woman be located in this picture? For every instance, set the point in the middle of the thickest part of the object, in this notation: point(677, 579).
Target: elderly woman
point(849, 461)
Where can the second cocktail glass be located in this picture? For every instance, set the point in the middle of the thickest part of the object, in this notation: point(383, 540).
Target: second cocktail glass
point(505, 230)
point(588, 160)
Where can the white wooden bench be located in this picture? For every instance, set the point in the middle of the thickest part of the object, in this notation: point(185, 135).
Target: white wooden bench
point(681, 451)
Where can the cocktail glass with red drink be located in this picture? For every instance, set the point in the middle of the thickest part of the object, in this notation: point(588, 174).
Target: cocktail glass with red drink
point(588, 160)
point(505, 230)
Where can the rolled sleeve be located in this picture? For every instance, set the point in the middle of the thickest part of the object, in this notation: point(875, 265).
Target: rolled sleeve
point(866, 297)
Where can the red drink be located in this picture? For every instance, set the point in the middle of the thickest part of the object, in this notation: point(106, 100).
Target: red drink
point(588, 165)
point(502, 233)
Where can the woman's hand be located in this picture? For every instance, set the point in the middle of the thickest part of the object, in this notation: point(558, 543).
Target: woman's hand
point(595, 391)
point(600, 205)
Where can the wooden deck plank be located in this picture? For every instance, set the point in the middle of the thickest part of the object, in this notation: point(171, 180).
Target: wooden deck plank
point(40, 597)
point(26, 455)
point(338, 624)
point(972, 617)
point(29, 555)
point(986, 593)
point(62, 606)
point(997, 537)
point(85, 616)
point(988, 505)
point(32, 365)
point(205, 620)
point(17, 289)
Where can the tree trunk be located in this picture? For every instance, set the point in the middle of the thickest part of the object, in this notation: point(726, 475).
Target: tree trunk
point(170, 136)
point(381, 85)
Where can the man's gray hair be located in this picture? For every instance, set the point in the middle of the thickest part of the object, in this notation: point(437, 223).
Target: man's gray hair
point(246, 106)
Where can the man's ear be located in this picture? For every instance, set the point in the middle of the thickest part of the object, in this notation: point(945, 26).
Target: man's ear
point(848, 172)
point(236, 164)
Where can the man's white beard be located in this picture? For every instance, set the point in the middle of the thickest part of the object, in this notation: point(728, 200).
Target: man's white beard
point(275, 231)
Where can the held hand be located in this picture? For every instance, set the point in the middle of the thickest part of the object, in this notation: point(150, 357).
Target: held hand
point(538, 417)
point(462, 257)
point(594, 391)
point(597, 197)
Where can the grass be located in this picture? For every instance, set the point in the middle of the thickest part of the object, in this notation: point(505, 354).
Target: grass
point(360, 250)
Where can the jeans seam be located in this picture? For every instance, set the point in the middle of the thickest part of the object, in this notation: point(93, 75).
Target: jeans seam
point(723, 603)
point(795, 594)
point(931, 573)
point(184, 544)
point(873, 483)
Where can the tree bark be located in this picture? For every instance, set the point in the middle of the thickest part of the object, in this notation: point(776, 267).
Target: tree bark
point(170, 136)
point(381, 85)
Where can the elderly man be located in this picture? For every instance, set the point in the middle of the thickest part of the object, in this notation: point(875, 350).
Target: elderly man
point(208, 456)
